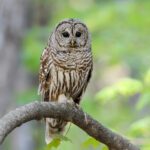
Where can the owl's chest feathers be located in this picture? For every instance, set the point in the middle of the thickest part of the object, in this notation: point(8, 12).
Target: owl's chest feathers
point(71, 60)
point(67, 79)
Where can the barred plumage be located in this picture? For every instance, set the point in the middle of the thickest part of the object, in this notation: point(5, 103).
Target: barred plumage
point(65, 69)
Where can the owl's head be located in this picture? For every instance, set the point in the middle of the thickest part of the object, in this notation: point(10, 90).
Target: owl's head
point(71, 33)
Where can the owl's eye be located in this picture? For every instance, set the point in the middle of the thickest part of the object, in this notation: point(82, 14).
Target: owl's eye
point(65, 34)
point(78, 34)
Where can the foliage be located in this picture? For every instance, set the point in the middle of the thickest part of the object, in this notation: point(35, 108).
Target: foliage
point(120, 36)
point(55, 143)
point(125, 87)
point(90, 143)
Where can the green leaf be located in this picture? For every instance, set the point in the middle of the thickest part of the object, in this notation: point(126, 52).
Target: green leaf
point(104, 148)
point(91, 142)
point(54, 144)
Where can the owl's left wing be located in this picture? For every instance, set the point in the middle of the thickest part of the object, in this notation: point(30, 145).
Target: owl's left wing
point(44, 75)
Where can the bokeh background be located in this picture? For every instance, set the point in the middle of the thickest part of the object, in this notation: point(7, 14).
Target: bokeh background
point(119, 92)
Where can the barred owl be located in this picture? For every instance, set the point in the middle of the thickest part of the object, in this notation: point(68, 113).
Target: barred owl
point(65, 69)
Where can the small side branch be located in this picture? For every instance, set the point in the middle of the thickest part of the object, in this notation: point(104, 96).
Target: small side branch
point(68, 112)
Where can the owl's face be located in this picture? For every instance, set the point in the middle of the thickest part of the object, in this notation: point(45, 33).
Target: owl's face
point(71, 34)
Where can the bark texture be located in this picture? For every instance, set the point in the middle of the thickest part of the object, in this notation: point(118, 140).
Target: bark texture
point(68, 112)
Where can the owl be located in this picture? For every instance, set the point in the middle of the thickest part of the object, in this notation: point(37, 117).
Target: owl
point(65, 69)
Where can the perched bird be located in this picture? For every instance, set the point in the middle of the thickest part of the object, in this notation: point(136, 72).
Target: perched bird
point(65, 69)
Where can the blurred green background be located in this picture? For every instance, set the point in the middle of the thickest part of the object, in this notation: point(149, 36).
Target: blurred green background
point(119, 92)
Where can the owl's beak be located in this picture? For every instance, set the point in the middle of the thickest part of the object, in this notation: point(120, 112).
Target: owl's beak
point(73, 43)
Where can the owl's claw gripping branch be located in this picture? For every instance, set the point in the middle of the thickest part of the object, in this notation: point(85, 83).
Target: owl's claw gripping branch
point(68, 112)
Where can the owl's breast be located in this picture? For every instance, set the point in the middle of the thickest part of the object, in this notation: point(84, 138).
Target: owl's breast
point(67, 82)
point(69, 73)
point(73, 60)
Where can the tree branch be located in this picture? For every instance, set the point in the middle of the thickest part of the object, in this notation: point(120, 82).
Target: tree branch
point(68, 112)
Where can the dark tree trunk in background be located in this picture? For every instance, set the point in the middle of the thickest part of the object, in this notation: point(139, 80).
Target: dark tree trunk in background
point(13, 78)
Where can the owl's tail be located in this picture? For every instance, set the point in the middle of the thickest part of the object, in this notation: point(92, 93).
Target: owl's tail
point(54, 128)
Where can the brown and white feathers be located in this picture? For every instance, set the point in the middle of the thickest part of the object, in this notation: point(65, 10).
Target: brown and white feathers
point(65, 68)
